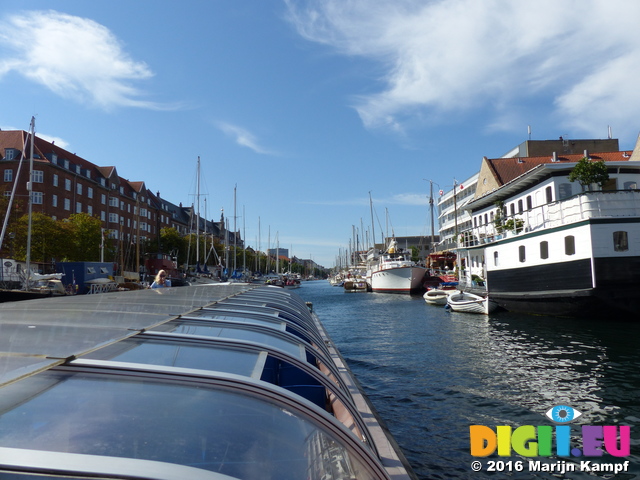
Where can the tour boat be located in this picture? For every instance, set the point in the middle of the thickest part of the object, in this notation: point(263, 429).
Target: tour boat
point(216, 381)
point(395, 272)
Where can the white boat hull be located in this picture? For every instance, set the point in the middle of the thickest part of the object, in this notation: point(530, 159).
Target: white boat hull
point(470, 303)
point(397, 280)
point(437, 297)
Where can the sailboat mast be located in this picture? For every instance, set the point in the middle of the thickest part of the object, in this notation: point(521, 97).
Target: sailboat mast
point(29, 191)
point(198, 211)
point(431, 210)
point(235, 228)
point(373, 225)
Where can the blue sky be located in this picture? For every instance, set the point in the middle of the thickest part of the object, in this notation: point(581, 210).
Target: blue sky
point(307, 106)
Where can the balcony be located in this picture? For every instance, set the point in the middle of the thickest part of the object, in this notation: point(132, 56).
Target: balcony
point(586, 205)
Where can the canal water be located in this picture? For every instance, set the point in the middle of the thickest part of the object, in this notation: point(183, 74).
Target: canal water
point(431, 374)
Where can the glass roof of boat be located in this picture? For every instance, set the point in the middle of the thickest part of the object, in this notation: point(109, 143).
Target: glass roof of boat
point(229, 380)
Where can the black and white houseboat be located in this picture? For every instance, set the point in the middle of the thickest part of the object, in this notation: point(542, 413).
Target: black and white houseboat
point(546, 245)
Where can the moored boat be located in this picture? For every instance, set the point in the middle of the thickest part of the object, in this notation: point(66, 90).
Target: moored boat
point(395, 272)
point(355, 285)
point(436, 296)
point(547, 244)
point(471, 303)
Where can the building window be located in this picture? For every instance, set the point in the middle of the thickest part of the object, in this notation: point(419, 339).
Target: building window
point(630, 185)
point(89, 192)
point(549, 193)
point(113, 218)
point(9, 153)
point(570, 245)
point(564, 191)
point(78, 207)
point(121, 190)
point(103, 215)
point(66, 164)
point(8, 175)
point(495, 259)
point(90, 210)
point(55, 180)
point(521, 253)
point(54, 200)
point(620, 241)
point(67, 204)
point(36, 198)
point(87, 173)
point(67, 184)
point(113, 201)
point(103, 198)
point(79, 189)
point(37, 176)
point(544, 250)
point(103, 182)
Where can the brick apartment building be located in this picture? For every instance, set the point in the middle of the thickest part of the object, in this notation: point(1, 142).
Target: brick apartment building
point(64, 183)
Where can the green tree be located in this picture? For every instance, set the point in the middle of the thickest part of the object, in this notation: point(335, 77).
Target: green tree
point(48, 239)
point(85, 238)
point(587, 172)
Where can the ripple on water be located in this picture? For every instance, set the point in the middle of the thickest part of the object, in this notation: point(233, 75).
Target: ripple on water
point(432, 373)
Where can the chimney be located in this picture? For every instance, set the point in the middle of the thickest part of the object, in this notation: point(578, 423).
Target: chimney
point(555, 157)
point(586, 153)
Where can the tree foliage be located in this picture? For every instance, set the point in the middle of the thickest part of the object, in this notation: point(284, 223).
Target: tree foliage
point(588, 172)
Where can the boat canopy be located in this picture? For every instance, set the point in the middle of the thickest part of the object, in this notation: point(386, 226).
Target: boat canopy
point(211, 381)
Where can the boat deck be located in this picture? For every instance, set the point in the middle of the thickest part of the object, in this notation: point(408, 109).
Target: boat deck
point(211, 381)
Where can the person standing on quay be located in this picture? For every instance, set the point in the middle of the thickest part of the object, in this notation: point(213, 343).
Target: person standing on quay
point(161, 280)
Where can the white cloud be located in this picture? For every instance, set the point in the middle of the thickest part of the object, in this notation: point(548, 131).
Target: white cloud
point(442, 57)
point(242, 137)
point(49, 138)
point(73, 57)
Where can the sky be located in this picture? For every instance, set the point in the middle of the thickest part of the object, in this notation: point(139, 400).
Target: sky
point(308, 109)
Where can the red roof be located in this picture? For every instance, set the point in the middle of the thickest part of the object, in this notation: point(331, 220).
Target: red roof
point(507, 169)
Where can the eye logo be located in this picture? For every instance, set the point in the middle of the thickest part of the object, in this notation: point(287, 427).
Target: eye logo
point(563, 414)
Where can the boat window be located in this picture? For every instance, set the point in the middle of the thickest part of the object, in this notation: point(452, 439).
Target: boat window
point(520, 209)
point(179, 354)
point(238, 433)
point(549, 194)
point(544, 250)
point(521, 253)
point(529, 202)
point(512, 209)
point(570, 245)
point(610, 185)
point(230, 331)
point(620, 241)
point(564, 191)
point(91, 270)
